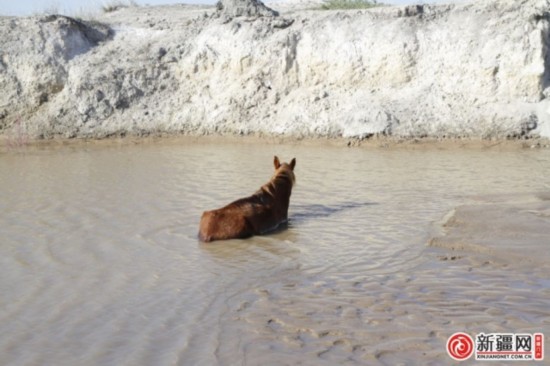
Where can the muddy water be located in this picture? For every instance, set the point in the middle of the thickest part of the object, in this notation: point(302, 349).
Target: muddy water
point(100, 264)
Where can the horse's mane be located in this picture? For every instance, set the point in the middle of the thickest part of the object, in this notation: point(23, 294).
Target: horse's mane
point(283, 178)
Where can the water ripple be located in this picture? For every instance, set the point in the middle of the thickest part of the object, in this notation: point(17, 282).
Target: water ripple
point(100, 262)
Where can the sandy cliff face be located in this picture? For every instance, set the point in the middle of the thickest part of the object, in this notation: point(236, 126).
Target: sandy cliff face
point(477, 69)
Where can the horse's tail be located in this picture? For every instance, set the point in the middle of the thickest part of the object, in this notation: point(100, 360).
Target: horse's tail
point(204, 229)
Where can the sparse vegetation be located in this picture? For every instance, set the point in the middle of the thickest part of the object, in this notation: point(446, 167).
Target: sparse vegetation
point(349, 4)
point(118, 4)
point(51, 9)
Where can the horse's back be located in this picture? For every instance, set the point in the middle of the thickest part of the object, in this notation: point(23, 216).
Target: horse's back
point(238, 221)
point(223, 224)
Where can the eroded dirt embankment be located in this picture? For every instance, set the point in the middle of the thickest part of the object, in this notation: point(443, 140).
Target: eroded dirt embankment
point(466, 70)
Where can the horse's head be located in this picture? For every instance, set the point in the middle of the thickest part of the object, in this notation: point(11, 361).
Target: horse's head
point(285, 169)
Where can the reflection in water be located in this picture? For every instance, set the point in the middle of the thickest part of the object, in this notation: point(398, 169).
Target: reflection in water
point(100, 261)
point(315, 211)
point(235, 252)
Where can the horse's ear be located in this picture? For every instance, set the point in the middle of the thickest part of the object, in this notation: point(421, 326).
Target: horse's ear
point(276, 162)
point(293, 163)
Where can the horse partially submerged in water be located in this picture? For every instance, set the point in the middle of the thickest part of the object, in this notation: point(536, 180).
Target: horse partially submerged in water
point(258, 214)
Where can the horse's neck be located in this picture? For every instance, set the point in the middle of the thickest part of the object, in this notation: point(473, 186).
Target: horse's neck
point(279, 189)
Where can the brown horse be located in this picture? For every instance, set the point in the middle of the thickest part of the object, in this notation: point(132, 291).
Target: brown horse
point(264, 211)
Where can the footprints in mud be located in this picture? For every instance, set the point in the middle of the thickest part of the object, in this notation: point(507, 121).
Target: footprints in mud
point(342, 346)
point(275, 324)
point(449, 257)
point(334, 318)
point(243, 306)
point(356, 319)
point(322, 343)
point(320, 318)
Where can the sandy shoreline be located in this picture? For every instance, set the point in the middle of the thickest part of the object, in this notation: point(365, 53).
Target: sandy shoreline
point(8, 143)
point(508, 229)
